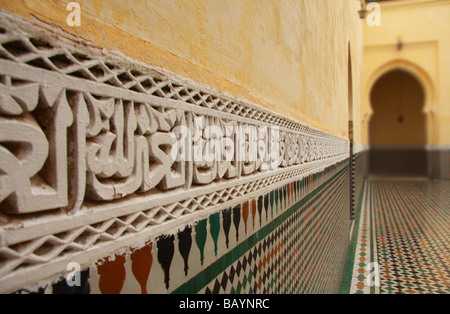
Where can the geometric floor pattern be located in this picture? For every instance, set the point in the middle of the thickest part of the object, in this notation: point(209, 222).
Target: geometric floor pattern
point(405, 224)
point(412, 222)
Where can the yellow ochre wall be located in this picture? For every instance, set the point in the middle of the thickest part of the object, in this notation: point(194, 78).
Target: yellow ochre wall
point(290, 56)
point(422, 26)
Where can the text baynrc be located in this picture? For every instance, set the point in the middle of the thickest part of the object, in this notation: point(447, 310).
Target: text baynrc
point(246, 303)
point(232, 303)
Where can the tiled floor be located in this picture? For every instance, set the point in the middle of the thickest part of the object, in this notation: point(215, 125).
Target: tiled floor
point(401, 243)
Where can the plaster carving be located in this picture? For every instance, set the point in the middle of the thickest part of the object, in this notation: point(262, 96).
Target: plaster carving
point(101, 150)
point(33, 156)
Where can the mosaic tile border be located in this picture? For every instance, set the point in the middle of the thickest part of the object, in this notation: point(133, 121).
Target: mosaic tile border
point(365, 278)
point(279, 256)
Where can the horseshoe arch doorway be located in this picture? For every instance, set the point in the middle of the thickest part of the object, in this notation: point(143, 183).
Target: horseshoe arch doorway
point(398, 126)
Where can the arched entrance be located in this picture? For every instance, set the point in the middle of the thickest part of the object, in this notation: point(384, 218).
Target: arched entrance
point(398, 126)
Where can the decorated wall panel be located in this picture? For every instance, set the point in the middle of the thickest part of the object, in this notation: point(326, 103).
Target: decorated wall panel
point(99, 154)
point(292, 239)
